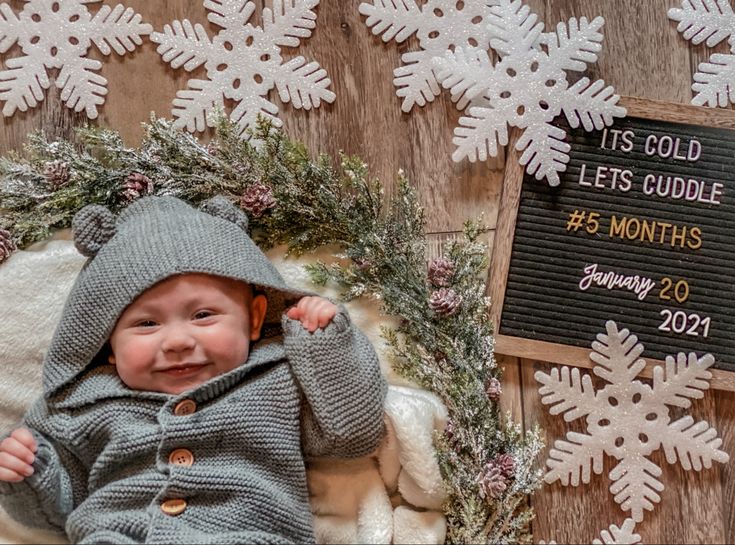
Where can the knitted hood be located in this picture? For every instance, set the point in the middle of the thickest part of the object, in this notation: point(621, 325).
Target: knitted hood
point(151, 240)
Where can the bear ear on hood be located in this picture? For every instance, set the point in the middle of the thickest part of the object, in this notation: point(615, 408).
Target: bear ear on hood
point(92, 227)
point(220, 207)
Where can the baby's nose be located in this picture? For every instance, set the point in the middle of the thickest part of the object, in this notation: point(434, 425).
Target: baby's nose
point(178, 340)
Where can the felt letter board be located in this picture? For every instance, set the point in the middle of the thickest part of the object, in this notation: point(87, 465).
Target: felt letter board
point(641, 230)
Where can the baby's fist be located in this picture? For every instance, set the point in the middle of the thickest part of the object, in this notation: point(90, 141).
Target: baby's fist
point(313, 312)
point(17, 454)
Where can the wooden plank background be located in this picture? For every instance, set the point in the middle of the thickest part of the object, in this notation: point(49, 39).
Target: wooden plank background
point(642, 55)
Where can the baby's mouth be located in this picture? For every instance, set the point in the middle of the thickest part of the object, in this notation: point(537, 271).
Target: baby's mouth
point(184, 369)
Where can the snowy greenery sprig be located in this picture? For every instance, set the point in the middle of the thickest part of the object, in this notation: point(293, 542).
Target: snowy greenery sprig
point(444, 342)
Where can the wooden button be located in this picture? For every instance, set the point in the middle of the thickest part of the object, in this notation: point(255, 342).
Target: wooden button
point(173, 507)
point(181, 457)
point(184, 407)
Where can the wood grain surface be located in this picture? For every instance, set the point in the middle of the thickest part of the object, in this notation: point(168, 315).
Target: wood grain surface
point(642, 56)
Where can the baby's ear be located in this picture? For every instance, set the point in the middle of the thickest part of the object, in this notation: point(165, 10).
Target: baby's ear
point(220, 207)
point(92, 227)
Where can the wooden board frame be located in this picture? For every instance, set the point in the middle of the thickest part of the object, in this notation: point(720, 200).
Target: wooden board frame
point(505, 231)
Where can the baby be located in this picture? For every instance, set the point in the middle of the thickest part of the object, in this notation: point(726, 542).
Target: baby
point(181, 394)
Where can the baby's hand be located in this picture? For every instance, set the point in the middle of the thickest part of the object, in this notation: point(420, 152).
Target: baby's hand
point(313, 312)
point(17, 455)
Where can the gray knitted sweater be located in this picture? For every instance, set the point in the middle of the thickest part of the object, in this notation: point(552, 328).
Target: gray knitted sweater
point(222, 463)
point(103, 471)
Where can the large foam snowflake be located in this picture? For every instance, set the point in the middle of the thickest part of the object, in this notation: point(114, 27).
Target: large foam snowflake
point(629, 420)
point(440, 25)
point(614, 535)
point(243, 62)
point(713, 21)
point(528, 88)
point(57, 34)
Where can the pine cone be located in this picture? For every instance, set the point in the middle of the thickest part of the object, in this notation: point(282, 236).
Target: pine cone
point(445, 302)
point(492, 481)
point(57, 174)
point(506, 463)
point(136, 185)
point(493, 389)
point(257, 199)
point(7, 246)
point(440, 272)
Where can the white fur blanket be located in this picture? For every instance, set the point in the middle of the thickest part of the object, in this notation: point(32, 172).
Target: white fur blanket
point(392, 496)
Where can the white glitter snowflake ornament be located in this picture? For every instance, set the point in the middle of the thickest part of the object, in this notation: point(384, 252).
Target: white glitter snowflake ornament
point(629, 420)
point(614, 535)
point(243, 63)
point(57, 34)
point(441, 26)
point(528, 88)
point(713, 21)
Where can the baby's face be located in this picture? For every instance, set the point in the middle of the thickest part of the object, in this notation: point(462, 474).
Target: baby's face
point(184, 331)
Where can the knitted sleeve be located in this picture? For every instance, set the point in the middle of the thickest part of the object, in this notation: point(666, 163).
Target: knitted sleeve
point(46, 498)
point(339, 375)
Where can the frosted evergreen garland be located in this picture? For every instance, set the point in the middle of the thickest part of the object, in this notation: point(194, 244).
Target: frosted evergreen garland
point(243, 63)
point(629, 420)
point(711, 21)
point(614, 535)
point(445, 340)
point(528, 88)
point(58, 34)
point(440, 26)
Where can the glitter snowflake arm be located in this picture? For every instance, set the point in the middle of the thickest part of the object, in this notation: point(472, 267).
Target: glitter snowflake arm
point(229, 14)
point(415, 80)
point(513, 28)
point(81, 87)
point(9, 26)
point(182, 43)
point(567, 393)
point(394, 19)
point(694, 445)
point(303, 84)
point(287, 23)
point(195, 107)
point(616, 355)
point(479, 134)
point(682, 379)
point(22, 85)
point(545, 153)
point(467, 73)
point(713, 81)
point(619, 536)
point(711, 20)
point(636, 485)
point(574, 47)
point(570, 460)
point(119, 28)
point(250, 108)
point(594, 105)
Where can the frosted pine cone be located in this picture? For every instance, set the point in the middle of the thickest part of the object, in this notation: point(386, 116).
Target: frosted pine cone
point(440, 272)
point(493, 389)
point(492, 481)
point(136, 185)
point(506, 464)
point(7, 246)
point(57, 174)
point(257, 199)
point(445, 301)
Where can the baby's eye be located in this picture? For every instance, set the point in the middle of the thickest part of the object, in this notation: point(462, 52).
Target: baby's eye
point(145, 323)
point(202, 314)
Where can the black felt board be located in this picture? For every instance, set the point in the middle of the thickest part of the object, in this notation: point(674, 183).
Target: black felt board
point(543, 300)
